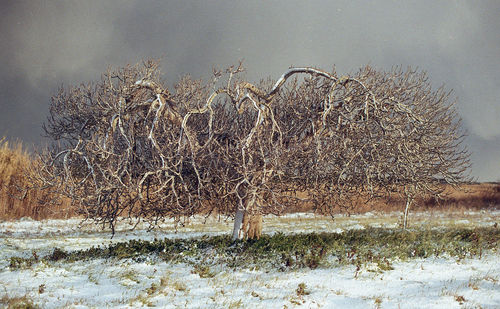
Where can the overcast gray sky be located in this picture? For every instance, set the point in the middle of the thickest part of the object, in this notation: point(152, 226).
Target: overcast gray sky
point(44, 44)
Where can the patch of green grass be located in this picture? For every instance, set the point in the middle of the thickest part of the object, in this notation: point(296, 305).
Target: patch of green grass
point(20, 263)
point(57, 255)
point(377, 246)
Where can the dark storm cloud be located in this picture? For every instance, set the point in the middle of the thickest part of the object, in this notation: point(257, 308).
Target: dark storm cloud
point(47, 43)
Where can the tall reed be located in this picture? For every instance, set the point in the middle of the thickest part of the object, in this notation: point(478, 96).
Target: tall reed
point(18, 196)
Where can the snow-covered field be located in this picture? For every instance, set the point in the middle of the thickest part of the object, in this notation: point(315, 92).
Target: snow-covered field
point(420, 283)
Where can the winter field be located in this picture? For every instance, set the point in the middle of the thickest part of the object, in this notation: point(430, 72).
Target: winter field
point(204, 280)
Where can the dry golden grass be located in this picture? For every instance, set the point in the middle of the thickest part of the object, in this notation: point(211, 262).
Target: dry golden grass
point(468, 196)
point(17, 200)
point(473, 196)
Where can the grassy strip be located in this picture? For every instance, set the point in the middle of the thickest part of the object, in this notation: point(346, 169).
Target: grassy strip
point(279, 251)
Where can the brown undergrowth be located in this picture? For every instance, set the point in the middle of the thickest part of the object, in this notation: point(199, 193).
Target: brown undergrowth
point(18, 198)
point(471, 196)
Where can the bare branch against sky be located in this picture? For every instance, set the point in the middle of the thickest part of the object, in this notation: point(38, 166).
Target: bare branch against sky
point(48, 43)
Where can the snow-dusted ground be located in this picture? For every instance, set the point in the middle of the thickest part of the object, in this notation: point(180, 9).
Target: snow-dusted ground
point(421, 283)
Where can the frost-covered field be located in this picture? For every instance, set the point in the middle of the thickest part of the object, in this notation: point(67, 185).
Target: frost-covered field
point(442, 282)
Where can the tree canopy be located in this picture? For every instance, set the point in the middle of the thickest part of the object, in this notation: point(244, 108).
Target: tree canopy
point(127, 146)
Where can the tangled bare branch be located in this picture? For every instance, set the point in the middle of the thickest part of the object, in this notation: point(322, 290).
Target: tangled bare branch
point(128, 147)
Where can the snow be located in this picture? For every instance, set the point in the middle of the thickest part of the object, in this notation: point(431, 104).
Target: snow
point(420, 283)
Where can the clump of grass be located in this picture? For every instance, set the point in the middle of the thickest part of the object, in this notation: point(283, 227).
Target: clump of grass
point(41, 288)
point(460, 299)
point(20, 263)
point(57, 255)
point(236, 304)
point(19, 196)
point(13, 161)
point(302, 290)
point(17, 302)
point(203, 271)
point(180, 286)
point(130, 275)
point(143, 299)
point(153, 288)
point(373, 246)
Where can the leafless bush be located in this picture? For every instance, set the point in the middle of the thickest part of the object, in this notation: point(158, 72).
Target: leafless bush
point(128, 147)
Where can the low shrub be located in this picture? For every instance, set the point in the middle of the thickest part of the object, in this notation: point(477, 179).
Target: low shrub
point(375, 246)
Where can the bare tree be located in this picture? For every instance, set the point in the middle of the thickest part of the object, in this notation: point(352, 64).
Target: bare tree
point(128, 147)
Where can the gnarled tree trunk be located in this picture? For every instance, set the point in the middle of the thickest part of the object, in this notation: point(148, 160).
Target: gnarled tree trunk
point(247, 222)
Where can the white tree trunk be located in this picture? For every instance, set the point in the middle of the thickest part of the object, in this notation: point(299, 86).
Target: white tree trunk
point(407, 209)
point(238, 223)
